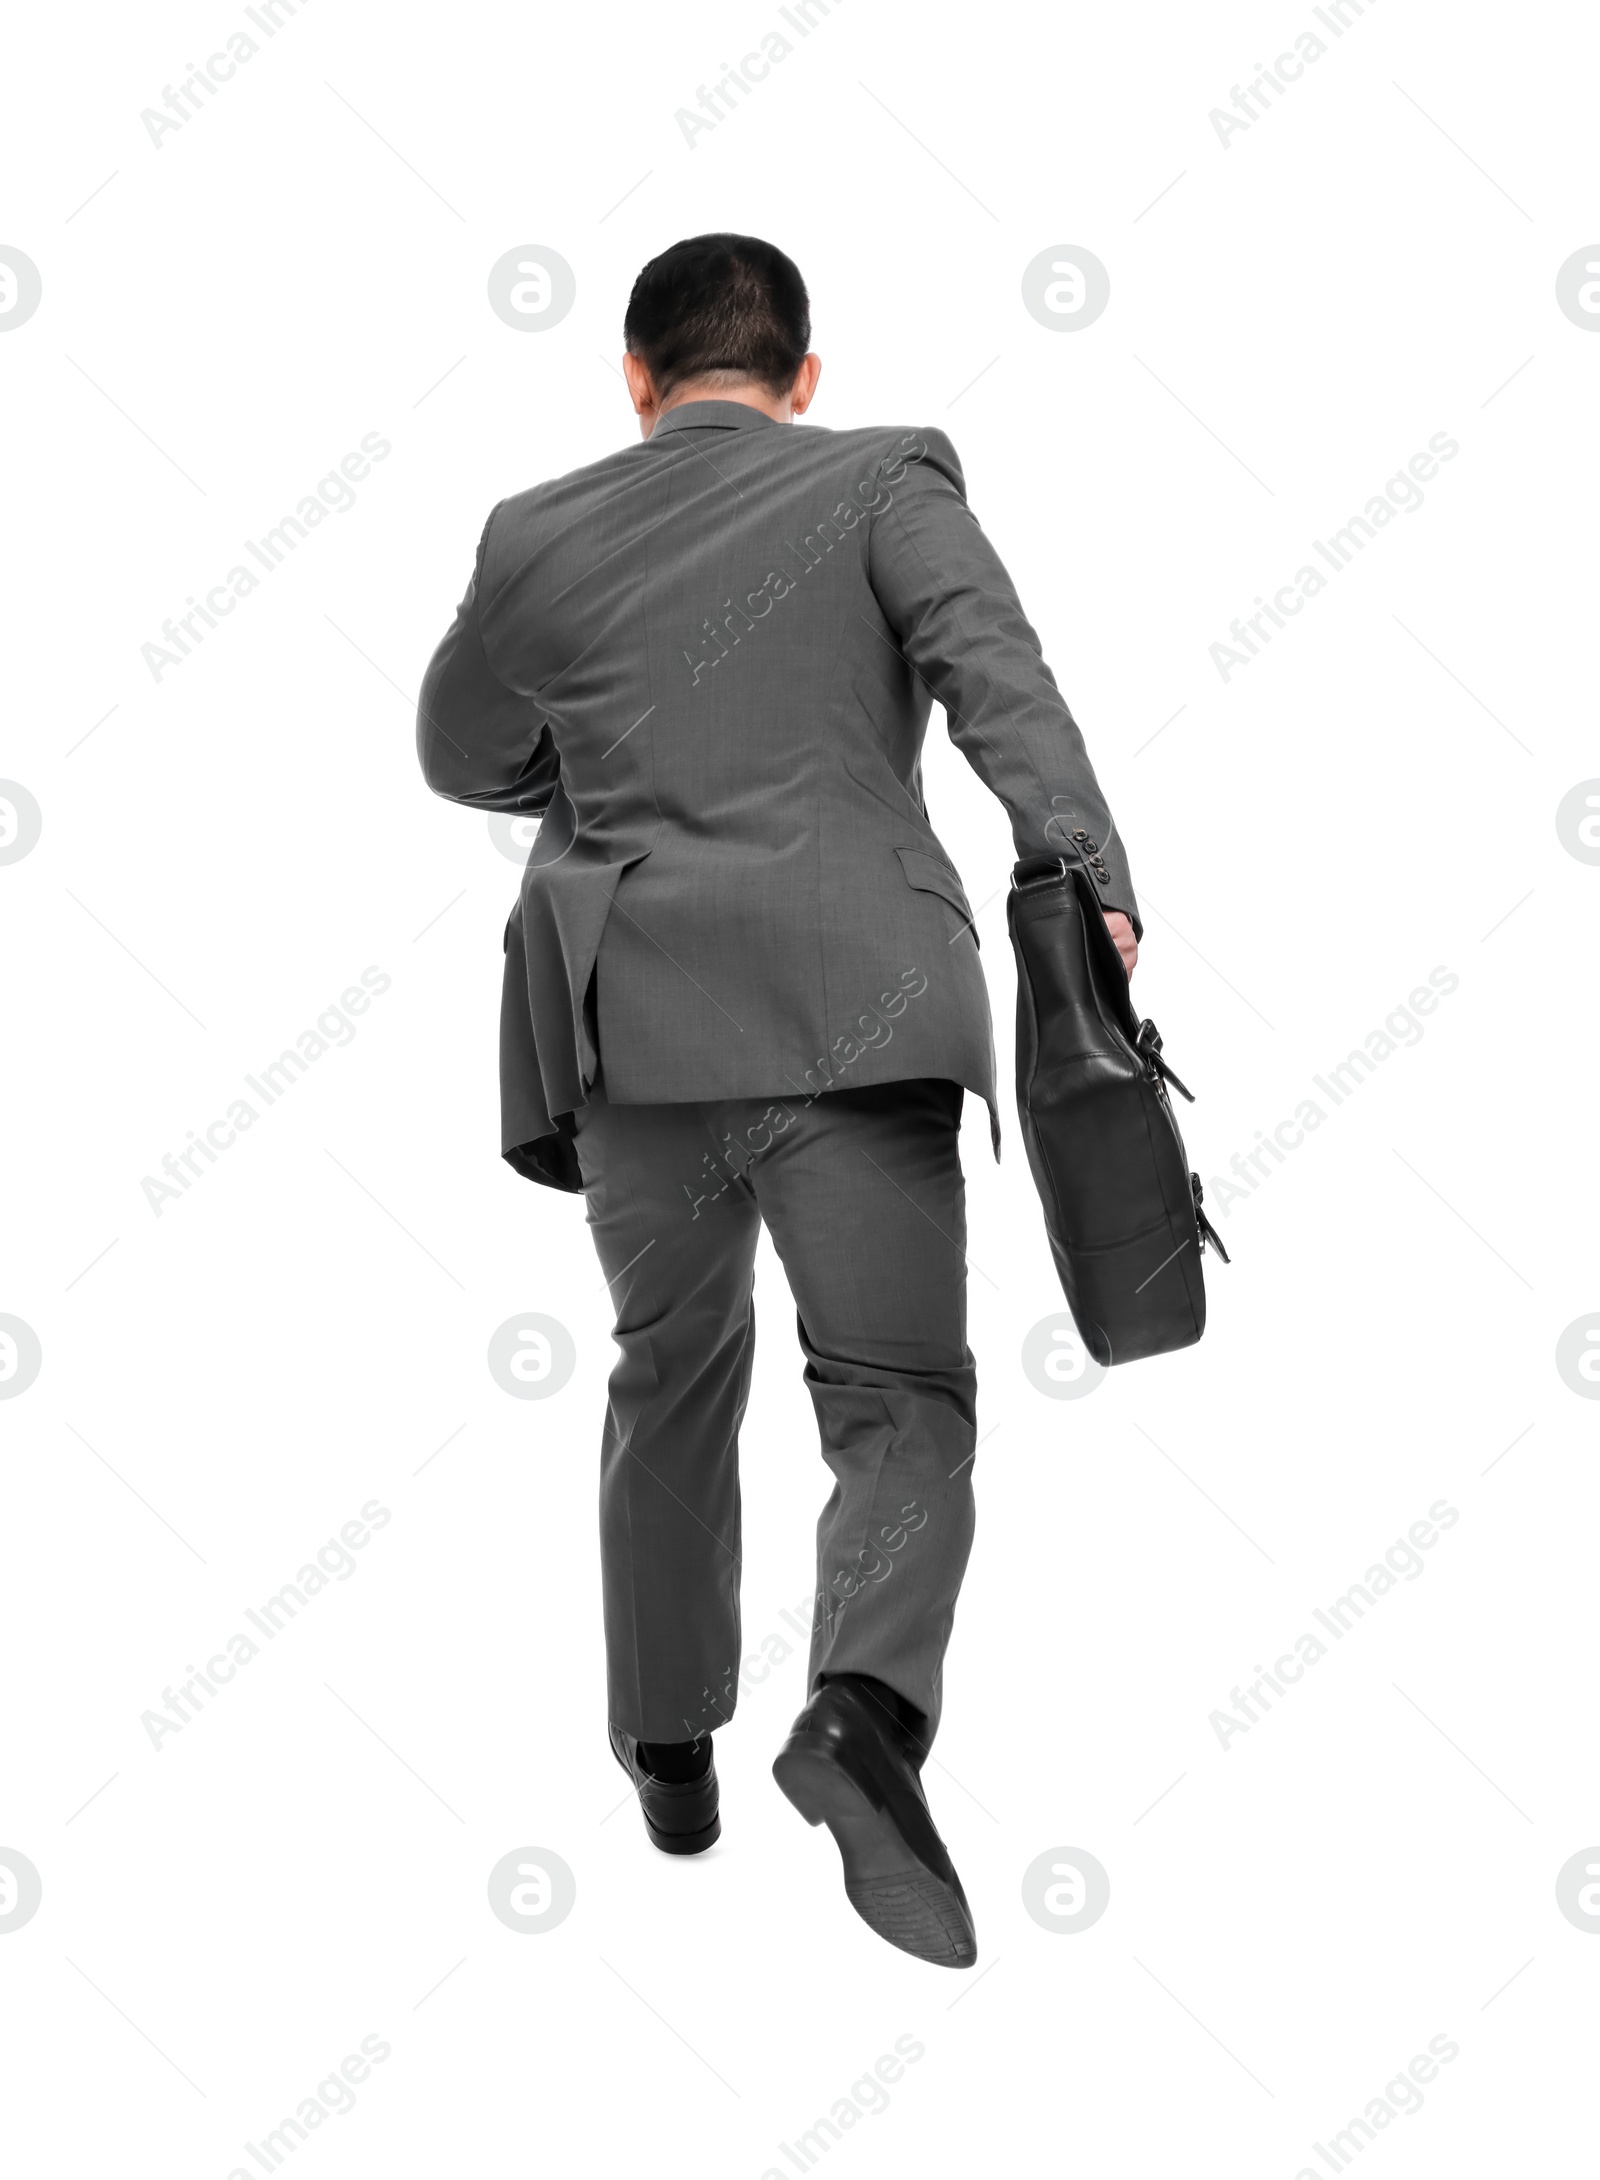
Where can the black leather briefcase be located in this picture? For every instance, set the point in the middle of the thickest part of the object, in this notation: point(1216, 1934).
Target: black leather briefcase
point(1121, 1206)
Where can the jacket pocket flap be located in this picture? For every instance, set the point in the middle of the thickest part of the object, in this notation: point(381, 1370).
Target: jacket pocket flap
point(929, 875)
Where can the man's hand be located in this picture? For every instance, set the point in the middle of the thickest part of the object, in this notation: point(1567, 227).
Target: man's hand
point(1122, 931)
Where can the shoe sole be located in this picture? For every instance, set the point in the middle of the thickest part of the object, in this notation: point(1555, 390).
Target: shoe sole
point(896, 1896)
point(685, 1843)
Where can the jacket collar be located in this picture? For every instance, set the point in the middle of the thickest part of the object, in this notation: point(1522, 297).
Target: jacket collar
point(714, 416)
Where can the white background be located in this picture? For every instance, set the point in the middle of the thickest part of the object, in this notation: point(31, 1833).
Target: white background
point(1292, 316)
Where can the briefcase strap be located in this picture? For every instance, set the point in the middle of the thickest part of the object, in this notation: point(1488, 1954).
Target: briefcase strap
point(1149, 1048)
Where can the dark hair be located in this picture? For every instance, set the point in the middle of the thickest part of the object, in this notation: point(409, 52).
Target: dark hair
point(719, 303)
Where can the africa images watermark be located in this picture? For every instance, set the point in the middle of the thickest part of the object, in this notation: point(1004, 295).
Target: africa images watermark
point(756, 1664)
point(1401, 2095)
point(874, 494)
point(867, 2094)
point(870, 1565)
point(333, 1027)
point(1402, 1562)
point(722, 100)
point(875, 1026)
point(1256, 100)
point(335, 494)
point(1401, 1026)
point(202, 83)
point(335, 1562)
point(1402, 494)
point(335, 2093)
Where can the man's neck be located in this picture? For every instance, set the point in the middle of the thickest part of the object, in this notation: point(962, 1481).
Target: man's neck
point(746, 392)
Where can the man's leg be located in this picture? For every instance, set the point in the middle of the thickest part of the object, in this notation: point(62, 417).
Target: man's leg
point(864, 1198)
point(676, 1237)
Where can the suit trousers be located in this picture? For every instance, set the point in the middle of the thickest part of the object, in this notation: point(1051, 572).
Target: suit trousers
point(862, 1193)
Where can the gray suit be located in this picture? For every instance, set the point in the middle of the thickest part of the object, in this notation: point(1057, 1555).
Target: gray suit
point(742, 983)
point(710, 658)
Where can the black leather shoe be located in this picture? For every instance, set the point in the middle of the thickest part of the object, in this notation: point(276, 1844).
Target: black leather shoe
point(681, 1819)
point(852, 1766)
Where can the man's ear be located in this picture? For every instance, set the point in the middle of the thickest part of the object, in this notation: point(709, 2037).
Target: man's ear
point(805, 384)
point(641, 386)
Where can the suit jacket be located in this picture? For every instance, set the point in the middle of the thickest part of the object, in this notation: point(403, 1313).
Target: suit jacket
point(709, 660)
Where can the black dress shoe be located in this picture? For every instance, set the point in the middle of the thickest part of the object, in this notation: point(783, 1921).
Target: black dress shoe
point(680, 1816)
point(849, 1764)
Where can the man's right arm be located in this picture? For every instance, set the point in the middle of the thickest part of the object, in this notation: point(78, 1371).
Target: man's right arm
point(478, 742)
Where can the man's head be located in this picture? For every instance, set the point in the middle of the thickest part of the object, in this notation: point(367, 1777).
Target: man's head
point(719, 318)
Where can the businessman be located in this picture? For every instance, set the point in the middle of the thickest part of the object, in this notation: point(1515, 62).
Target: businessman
point(742, 986)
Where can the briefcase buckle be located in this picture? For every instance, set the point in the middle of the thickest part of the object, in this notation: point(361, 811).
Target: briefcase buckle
point(1040, 870)
point(1149, 1048)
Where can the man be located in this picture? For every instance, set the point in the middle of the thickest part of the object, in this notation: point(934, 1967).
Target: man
point(742, 986)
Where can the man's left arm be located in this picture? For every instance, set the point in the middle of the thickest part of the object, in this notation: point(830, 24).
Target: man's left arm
point(478, 742)
point(952, 605)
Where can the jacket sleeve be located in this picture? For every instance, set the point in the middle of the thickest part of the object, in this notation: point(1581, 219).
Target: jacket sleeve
point(477, 741)
point(961, 628)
